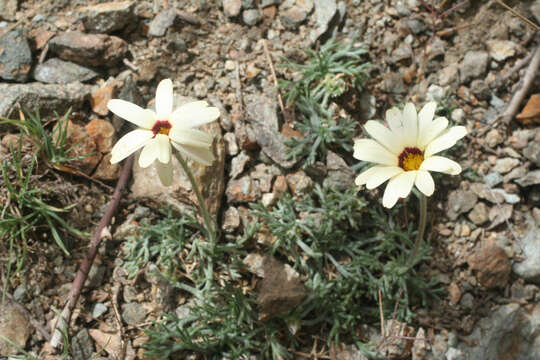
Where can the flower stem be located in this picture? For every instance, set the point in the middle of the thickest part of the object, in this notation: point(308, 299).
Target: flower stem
point(421, 227)
point(209, 224)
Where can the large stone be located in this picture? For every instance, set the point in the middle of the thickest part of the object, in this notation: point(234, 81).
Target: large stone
point(509, 332)
point(262, 115)
point(232, 8)
point(107, 17)
point(13, 326)
point(501, 50)
point(529, 268)
point(56, 71)
point(340, 174)
point(48, 98)
point(159, 25)
point(180, 196)
point(473, 66)
point(88, 49)
point(15, 56)
point(491, 265)
point(325, 11)
point(280, 289)
point(460, 202)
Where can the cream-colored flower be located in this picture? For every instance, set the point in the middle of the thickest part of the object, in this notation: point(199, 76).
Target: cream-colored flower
point(406, 151)
point(160, 129)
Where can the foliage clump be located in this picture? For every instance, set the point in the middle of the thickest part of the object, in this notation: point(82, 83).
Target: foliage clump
point(333, 71)
point(344, 251)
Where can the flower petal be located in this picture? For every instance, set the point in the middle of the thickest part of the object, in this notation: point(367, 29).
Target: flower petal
point(432, 131)
point(191, 137)
point(149, 153)
point(194, 114)
point(382, 174)
point(372, 151)
point(398, 187)
point(383, 135)
point(164, 99)
point(410, 125)
point(201, 155)
point(441, 164)
point(129, 143)
point(165, 172)
point(393, 118)
point(164, 155)
point(135, 114)
point(425, 117)
point(446, 140)
point(424, 182)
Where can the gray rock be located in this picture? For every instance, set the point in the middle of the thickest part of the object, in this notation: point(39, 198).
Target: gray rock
point(251, 17)
point(416, 26)
point(531, 178)
point(107, 17)
point(231, 219)
point(340, 174)
point(454, 354)
point(230, 144)
point(494, 138)
point(501, 50)
point(480, 89)
point(238, 164)
point(510, 332)
point(493, 179)
point(474, 65)
point(15, 327)
point(459, 202)
point(499, 214)
point(532, 152)
point(232, 8)
point(293, 17)
point(516, 173)
point(56, 71)
point(133, 313)
point(15, 56)
point(299, 183)
point(449, 75)
point(265, 3)
point(8, 9)
point(349, 353)
point(458, 115)
point(262, 114)
point(98, 310)
point(504, 165)
point(402, 52)
point(325, 11)
point(435, 93)
point(159, 25)
point(529, 268)
point(47, 98)
point(179, 196)
point(95, 276)
point(82, 346)
point(88, 49)
point(535, 10)
point(20, 294)
point(393, 83)
point(248, 4)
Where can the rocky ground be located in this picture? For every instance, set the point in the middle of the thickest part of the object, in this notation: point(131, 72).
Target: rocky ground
point(58, 55)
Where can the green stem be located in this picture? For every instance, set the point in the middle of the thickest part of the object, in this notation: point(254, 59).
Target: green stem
point(421, 227)
point(209, 224)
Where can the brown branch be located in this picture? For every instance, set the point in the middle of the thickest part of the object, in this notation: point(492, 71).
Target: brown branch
point(61, 323)
point(519, 95)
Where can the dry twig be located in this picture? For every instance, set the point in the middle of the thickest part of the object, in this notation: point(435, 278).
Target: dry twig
point(274, 77)
point(519, 95)
point(61, 323)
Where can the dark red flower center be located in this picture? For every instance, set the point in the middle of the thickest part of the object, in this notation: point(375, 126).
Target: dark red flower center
point(411, 158)
point(161, 127)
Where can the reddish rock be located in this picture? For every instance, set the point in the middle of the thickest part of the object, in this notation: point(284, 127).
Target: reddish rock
point(106, 170)
point(88, 49)
point(83, 148)
point(103, 134)
point(100, 98)
point(491, 265)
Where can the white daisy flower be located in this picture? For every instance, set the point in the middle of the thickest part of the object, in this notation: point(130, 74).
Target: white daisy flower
point(160, 129)
point(406, 151)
